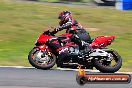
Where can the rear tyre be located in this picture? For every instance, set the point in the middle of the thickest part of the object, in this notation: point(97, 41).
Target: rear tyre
point(106, 67)
point(40, 62)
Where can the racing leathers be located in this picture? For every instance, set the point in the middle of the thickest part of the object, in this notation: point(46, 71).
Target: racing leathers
point(80, 36)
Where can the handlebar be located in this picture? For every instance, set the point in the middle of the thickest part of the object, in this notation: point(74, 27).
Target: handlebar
point(49, 33)
point(53, 32)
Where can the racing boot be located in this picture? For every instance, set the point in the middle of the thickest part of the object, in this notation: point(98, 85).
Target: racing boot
point(85, 47)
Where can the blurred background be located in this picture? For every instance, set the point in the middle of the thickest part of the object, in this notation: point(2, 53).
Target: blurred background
point(22, 21)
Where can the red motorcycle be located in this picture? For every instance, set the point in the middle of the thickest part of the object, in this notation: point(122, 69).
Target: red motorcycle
point(68, 55)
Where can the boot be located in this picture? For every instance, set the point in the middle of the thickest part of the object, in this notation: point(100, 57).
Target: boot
point(85, 47)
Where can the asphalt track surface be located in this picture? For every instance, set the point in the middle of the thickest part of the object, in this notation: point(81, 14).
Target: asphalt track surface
point(11, 77)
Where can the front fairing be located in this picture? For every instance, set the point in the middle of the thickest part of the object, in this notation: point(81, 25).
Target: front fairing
point(43, 38)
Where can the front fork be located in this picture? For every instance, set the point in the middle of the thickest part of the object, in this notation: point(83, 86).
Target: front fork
point(43, 50)
point(42, 47)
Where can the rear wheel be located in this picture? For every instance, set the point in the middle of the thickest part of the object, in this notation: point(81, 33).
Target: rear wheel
point(109, 66)
point(41, 60)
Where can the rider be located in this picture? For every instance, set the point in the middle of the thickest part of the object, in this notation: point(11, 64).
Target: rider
point(80, 36)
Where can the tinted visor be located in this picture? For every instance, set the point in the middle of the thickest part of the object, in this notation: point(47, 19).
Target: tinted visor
point(59, 17)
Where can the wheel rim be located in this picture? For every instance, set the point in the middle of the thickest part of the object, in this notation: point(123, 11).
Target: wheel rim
point(112, 63)
point(46, 60)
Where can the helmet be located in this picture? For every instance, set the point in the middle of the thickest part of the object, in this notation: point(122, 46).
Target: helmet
point(63, 15)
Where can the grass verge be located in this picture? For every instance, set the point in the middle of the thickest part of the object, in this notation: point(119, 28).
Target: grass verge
point(21, 23)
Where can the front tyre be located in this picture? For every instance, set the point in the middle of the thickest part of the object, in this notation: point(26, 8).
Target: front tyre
point(41, 60)
point(109, 66)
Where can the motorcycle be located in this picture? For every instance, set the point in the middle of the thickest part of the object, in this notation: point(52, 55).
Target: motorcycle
point(68, 55)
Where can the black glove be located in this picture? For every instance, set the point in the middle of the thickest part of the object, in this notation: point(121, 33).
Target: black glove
point(52, 33)
point(57, 29)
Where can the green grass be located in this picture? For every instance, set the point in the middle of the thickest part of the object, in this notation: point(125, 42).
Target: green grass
point(61, 0)
point(21, 23)
point(82, 2)
point(49, 0)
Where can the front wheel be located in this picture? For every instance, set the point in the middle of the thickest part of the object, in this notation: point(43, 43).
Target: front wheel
point(41, 60)
point(109, 66)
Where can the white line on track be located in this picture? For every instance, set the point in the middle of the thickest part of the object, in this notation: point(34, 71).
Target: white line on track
point(89, 70)
point(15, 67)
point(64, 69)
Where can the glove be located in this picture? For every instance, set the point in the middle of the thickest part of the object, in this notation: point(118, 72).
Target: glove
point(57, 29)
point(52, 33)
